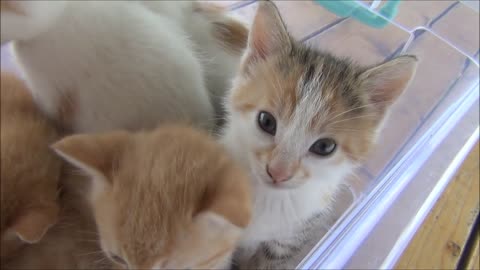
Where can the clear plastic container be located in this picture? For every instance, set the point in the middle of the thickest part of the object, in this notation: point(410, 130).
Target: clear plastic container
point(430, 130)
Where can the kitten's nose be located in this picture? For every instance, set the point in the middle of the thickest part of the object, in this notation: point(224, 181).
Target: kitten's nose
point(279, 173)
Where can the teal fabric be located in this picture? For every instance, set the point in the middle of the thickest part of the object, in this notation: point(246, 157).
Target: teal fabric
point(346, 8)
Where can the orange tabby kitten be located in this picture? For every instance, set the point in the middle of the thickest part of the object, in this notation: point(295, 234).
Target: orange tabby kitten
point(169, 199)
point(71, 243)
point(29, 169)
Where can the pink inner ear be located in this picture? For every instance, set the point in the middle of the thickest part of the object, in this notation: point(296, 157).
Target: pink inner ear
point(260, 48)
point(387, 90)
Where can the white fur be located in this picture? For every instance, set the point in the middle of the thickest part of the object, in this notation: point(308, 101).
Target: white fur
point(124, 65)
point(281, 212)
point(220, 65)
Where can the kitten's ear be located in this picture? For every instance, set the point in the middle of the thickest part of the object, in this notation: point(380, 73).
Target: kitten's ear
point(268, 33)
point(386, 82)
point(230, 198)
point(93, 153)
point(33, 223)
point(213, 225)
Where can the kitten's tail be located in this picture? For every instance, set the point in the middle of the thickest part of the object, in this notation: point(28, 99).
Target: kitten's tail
point(23, 20)
point(230, 33)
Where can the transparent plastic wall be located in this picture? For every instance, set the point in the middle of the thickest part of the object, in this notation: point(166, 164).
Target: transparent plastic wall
point(425, 133)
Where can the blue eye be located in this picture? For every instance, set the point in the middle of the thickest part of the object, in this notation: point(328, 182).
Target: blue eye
point(323, 147)
point(267, 122)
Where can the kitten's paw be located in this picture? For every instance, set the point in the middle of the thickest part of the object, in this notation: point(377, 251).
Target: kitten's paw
point(23, 20)
point(32, 225)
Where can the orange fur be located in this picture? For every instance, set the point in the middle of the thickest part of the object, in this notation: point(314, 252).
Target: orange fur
point(277, 90)
point(171, 197)
point(230, 33)
point(69, 244)
point(279, 95)
point(66, 110)
point(9, 5)
point(29, 169)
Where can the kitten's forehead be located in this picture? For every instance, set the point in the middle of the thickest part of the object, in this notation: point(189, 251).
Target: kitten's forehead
point(324, 85)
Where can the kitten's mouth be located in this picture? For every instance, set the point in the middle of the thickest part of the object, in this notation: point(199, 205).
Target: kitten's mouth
point(281, 185)
point(261, 176)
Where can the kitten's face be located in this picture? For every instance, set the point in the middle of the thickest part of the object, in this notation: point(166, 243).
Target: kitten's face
point(297, 128)
point(131, 235)
point(156, 204)
point(303, 115)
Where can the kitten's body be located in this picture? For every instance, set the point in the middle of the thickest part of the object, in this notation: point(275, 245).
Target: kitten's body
point(219, 41)
point(30, 171)
point(72, 243)
point(300, 121)
point(167, 199)
point(102, 65)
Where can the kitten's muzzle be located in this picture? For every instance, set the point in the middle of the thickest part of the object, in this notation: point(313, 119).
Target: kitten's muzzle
point(279, 174)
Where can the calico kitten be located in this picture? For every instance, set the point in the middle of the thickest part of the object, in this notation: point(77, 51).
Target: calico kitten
point(103, 65)
point(166, 199)
point(30, 171)
point(300, 121)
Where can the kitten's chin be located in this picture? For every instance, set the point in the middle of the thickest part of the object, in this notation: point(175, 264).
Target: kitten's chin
point(279, 186)
point(283, 185)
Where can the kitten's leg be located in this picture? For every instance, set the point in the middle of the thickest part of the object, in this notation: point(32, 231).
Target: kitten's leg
point(23, 20)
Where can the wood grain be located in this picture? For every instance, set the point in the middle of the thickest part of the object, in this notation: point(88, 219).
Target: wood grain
point(473, 260)
point(440, 241)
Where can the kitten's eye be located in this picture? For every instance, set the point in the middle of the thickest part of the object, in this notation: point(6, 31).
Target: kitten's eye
point(267, 122)
point(323, 147)
point(118, 259)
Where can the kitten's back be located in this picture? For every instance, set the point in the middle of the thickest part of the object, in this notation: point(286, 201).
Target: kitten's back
point(29, 169)
point(72, 243)
point(103, 65)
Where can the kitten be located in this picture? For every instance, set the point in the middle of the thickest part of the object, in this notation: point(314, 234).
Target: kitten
point(300, 121)
point(169, 199)
point(219, 41)
point(103, 65)
point(30, 171)
point(72, 242)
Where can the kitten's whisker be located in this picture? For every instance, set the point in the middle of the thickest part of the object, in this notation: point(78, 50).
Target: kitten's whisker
point(101, 260)
point(87, 240)
point(90, 253)
point(357, 117)
point(356, 108)
point(88, 232)
point(347, 130)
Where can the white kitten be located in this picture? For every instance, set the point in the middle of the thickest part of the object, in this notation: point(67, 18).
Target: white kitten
point(300, 121)
point(218, 38)
point(101, 65)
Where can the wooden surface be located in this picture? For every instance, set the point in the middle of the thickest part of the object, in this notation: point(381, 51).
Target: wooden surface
point(440, 241)
point(473, 260)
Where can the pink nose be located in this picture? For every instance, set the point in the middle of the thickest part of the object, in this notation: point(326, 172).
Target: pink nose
point(279, 174)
